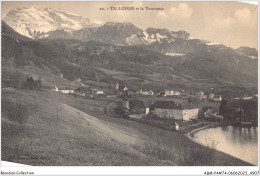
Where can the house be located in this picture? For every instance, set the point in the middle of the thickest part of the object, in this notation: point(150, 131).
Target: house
point(147, 110)
point(55, 88)
point(137, 107)
point(157, 93)
point(168, 92)
point(117, 86)
point(176, 93)
point(217, 98)
point(82, 91)
point(211, 114)
point(172, 110)
point(171, 93)
point(208, 111)
point(211, 95)
point(99, 92)
point(247, 98)
point(67, 91)
point(139, 92)
point(145, 92)
point(176, 126)
point(149, 92)
point(121, 90)
point(199, 94)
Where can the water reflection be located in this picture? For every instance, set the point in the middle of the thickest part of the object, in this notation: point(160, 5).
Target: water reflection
point(236, 141)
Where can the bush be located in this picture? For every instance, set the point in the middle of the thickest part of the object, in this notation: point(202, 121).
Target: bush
point(125, 116)
point(16, 112)
point(120, 110)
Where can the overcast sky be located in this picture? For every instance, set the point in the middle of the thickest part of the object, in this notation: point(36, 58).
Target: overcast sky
point(234, 24)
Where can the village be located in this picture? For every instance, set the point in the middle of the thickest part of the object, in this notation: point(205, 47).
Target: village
point(176, 110)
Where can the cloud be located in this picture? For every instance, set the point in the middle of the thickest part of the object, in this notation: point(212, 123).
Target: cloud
point(182, 11)
point(240, 16)
point(162, 14)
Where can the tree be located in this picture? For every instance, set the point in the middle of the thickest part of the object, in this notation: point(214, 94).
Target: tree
point(223, 107)
point(39, 82)
point(105, 110)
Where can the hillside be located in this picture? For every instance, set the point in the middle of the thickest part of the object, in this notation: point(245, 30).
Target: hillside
point(57, 134)
point(72, 138)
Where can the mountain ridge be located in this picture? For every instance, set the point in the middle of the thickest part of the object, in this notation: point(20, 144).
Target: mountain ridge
point(49, 23)
point(37, 23)
point(140, 66)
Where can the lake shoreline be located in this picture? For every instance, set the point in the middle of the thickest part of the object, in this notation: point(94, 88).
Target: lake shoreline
point(214, 125)
point(209, 125)
point(190, 135)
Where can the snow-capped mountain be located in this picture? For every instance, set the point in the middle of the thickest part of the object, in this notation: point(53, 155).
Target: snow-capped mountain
point(39, 23)
point(34, 22)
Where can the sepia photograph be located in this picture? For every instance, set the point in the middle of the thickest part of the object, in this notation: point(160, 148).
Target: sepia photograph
point(129, 83)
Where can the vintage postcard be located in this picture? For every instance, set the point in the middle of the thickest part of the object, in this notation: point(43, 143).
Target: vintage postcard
point(152, 83)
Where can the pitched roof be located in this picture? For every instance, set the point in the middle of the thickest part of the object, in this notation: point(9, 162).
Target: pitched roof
point(137, 104)
point(217, 96)
point(205, 108)
point(166, 105)
point(65, 88)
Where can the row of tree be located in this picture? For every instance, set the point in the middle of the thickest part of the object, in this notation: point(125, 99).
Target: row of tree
point(242, 110)
point(32, 84)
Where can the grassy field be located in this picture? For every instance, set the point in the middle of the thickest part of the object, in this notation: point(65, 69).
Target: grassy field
point(60, 129)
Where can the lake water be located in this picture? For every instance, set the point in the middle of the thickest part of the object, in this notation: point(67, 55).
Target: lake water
point(236, 141)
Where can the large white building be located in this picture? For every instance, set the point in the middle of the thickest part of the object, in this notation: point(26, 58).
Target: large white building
point(172, 110)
